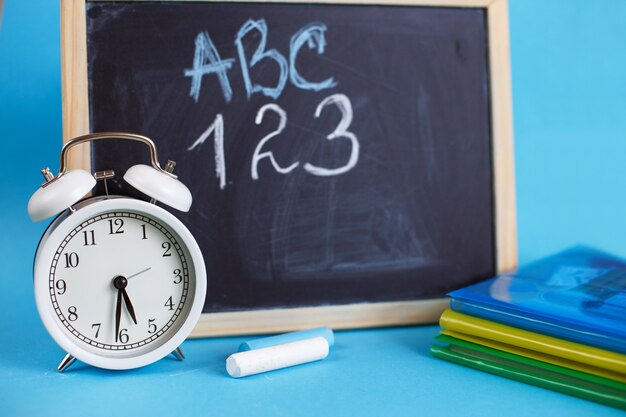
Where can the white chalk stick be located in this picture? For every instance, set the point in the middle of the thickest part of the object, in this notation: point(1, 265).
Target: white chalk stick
point(276, 357)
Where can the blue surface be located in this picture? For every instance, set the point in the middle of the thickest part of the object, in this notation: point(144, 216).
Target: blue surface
point(569, 72)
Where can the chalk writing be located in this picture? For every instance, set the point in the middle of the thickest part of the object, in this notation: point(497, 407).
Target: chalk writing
point(260, 54)
point(206, 51)
point(217, 128)
point(313, 35)
point(257, 152)
point(341, 131)
point(207, 61)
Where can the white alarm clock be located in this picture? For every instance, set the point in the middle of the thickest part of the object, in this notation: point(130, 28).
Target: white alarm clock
point(119, 282)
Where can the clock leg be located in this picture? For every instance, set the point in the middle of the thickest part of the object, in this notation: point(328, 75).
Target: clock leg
point(178, 354)
point(67, 361)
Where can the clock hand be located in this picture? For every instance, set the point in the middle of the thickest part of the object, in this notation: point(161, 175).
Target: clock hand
point(118, 314)
point(120, 283)
point(140, 272)
point(129, 305)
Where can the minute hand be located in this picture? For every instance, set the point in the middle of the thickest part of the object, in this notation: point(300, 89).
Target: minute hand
point(118, 314)
point(129, 305)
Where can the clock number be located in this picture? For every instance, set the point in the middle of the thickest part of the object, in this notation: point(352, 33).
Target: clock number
point(72, 314)
point(143, 230)
point(60, 285)
point(178, 278)
point(90, 238)
point(167, 246)
point(97, 326)
point(152, 328)
point(118, 223)
point(71, 260)
point(124, 336)
point(169, 303)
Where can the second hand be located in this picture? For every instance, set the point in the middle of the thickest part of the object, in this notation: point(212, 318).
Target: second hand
point(140, 272)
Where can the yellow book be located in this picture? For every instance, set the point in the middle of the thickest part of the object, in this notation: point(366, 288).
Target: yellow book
point(545, 348)
point(554, 360)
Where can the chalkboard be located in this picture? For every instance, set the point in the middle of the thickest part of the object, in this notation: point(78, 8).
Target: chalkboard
point(338, 154)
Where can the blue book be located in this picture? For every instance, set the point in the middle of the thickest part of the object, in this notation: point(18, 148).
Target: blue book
point(578, 294)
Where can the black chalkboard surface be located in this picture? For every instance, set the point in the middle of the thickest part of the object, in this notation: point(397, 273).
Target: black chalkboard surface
point(337, 154)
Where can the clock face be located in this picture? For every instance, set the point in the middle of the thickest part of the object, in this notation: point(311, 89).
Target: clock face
point(120, 282)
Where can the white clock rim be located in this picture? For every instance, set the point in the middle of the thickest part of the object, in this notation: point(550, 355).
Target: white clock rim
point(43, 260)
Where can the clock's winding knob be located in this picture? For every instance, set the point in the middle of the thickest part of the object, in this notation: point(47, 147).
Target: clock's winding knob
point(47, 175)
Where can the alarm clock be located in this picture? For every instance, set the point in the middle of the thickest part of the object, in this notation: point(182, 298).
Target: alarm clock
point(119, 282)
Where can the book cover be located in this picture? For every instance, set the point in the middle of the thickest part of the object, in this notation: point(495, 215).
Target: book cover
point(578, 294)
point(459, 324)
point(530, 371)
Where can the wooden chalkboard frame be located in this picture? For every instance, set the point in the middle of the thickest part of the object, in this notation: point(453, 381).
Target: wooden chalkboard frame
point(76, 122)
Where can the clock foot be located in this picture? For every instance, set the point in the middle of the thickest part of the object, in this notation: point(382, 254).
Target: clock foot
point(67, 361)
point(178, 354)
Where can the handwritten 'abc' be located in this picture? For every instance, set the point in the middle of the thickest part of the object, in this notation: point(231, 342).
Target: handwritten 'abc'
point(207, 60)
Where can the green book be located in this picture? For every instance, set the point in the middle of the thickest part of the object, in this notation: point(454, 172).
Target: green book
point(530, 371)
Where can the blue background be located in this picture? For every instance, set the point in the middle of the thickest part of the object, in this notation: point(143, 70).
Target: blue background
point(569, 72)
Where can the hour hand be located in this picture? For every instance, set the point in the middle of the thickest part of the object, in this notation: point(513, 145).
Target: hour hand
point(129, 305)
point(120, 283)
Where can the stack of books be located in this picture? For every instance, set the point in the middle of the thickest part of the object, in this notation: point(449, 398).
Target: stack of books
point(559, 323)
